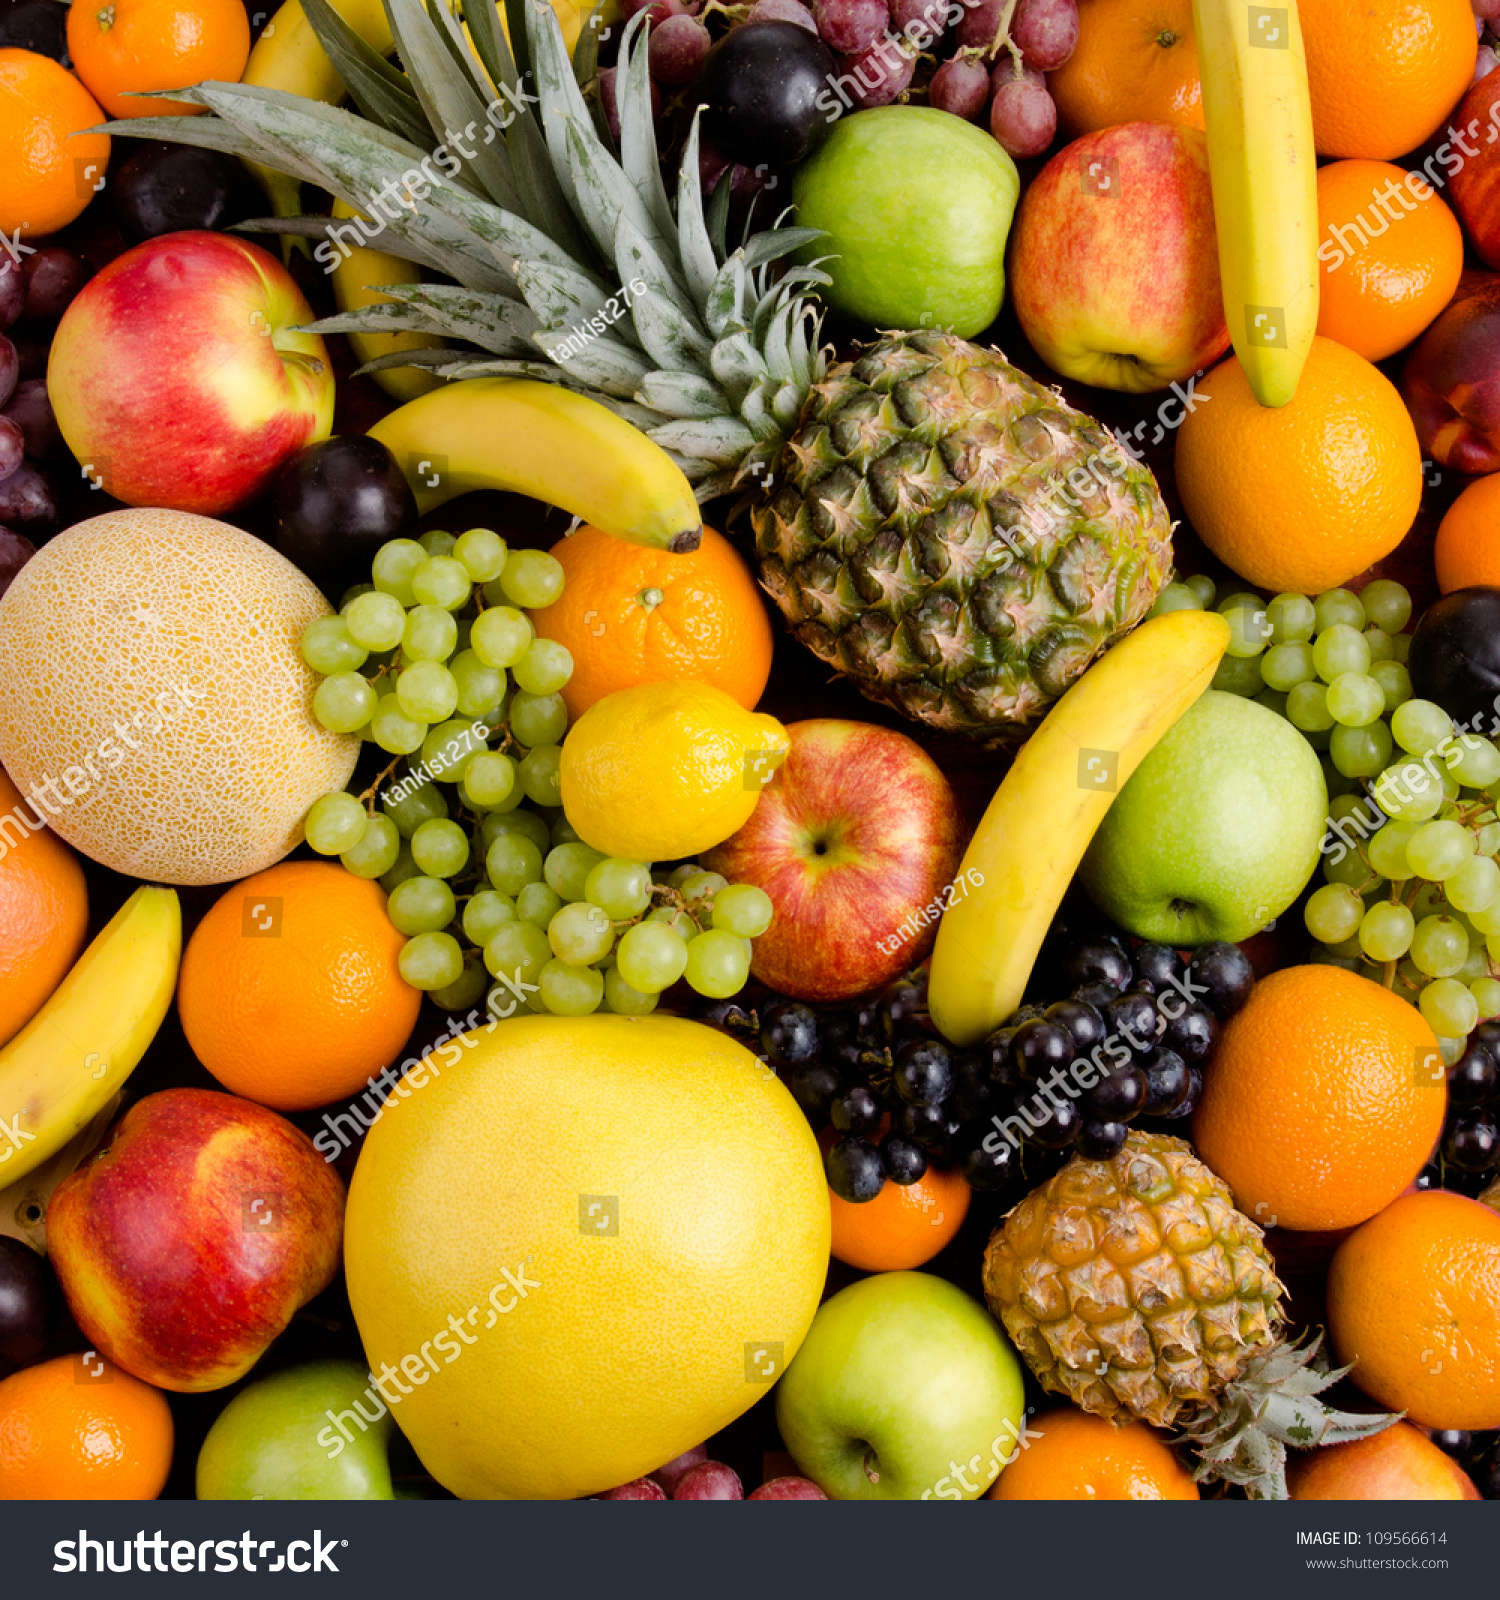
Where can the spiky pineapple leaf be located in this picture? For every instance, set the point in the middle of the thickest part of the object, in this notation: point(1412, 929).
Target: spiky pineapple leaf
point(681, 395)
point(561, 297)
point(700, 266)
point(380, 90)
point(638, 152)
point(501, 326)
point(520, 38)
point(717, 214)
point(601, 363)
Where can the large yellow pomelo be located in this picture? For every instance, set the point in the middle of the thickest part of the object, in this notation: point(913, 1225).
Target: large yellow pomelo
point(153, 701)
point(656, 1193)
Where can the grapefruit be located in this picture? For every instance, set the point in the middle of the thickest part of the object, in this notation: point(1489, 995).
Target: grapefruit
point(154, 701)
point(588, 1244)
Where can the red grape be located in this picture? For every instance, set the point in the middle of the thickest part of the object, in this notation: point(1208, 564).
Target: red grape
point(851, 26)
point(787, 1489)
point(12, 291)
point(660, 9)
point(29, 1302)
point(1485, 62)
point(1489, 10)
point(53, 277)
point(641, 1489)
point(677, 51)
point(10, 368)
point(31, 410)
point(12, 447)
point(928, 14)
point(960, 87)
point(1023, 115)
point(783, 11)
point(669, 1475)
point(888, 68)
point(1045, 32)
point(15, 552)
point(26, 498)
point(979, 25)
point(709, 1480)
point(607, 97)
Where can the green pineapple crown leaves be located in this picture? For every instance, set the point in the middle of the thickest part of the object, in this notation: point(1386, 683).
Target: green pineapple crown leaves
point(715, 354)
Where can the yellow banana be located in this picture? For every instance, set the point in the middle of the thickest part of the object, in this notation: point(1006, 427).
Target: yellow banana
point(23, 1206)
point(354, 277)
point(544, 441)
point(1033, 835)
point(1263, 170)
point(70, 1060)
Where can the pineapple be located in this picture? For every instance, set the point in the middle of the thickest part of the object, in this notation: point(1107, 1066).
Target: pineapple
point(1134, 1287)
point(933, 524)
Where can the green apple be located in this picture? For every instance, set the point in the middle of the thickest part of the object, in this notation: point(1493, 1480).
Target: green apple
point(1217, 831)
point(297, 1435)
point(917, 206)
point(904, 1389)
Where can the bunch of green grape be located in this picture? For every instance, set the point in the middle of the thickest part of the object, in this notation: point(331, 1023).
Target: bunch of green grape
point(437, 663)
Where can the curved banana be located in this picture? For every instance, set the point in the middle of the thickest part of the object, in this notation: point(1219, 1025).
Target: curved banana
point(23, 1206)
point(70, 1060)
point(1263, 171)
point(542, 440)
point(1033, 835)
point(355, 276)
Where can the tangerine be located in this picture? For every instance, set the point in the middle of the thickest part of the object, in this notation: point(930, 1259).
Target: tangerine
point(1467, 551)
point(52, 169)
point(1135, 61)
point(904, 1226)
point(1070, 1455)
point(124, 49)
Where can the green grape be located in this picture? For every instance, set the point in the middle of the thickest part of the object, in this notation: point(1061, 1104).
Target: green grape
point(1487, 921)
point(449, 748)
point(1474, 887)
point(1450, 1009)
point(680, 875)
point(436, 542)
point(1272, 701)
point(700, 885)
point(512, 862)
point(540, 774)
point(1439, 946)
point(480, 688)
point(1438, 849)
point(537, 719)
point(1175, 597)
point(431, 961)
point(376, 621)
point(1478, 764)
point(1323, 955)
point(1488, 836)
point(420, 905)
point(743, 910)
point(1476, 963)
point(517, 951)
point(1486, 992)
point(335, 823)
point(1350, 869)
point(1387, 849)
point(327, 646)
point(376, 850)
point(1204, 587)
point(1355, 700)
point(1394, 681)
point(561, 830)
point(1409, 792)
point(1284, 666)
point(441, 581)
point(1240, 597)
point(344, 702)
point(1307, 708)
point(1332, 914)
point(717, 965)
point(1249, 632)
point(393, 567)
point(571, 991)
point(1336, 608)
point(538, 903)
point(463, 993)
point(621, 889)
point(580, 934)
point(426, 691)
point(675, 921)
point(1430, 901)
point(1360, 752)
point(488, 779)
point(401, 870)
point(1386, 932)
point(394, 731)
point(545, 667)
point(485, 912)
point(1400, 647)
point(526, 823)
point(1419, 726)
point(1381, 648)
point(353, 592)
point(1292, 619)
point(1340, 649)
point(651, 957)
point(430, 635)
point(414, 806)
point(1386, 604)
point(1237, 675)
point(568, 866)
point(531, 579)
point(482, 552)
point(440, 848)
point(501, 636)
point(624, 1001)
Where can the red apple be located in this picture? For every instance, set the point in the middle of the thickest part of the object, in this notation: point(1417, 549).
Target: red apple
point(1475, 181)
point(1451, 384)
point(178, 376)
point(1397, 1464)
point(856, 842)
point(186, 1245)
point(1114, 266)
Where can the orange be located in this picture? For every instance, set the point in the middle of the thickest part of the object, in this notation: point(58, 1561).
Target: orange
point(1302, 496)
point(44, 910)
point(1392, 255)
point(50, 175)
point(1396, 1464)
point(126, 47)
point(1323, 1101)
point(79, 1428)
point(1414, 1302)
point(1383, 74)
point(1468, 538)
point(903, 1226)
point(631, 616)
point(1135, 61)
point(289, 991)
point(1070, 1455)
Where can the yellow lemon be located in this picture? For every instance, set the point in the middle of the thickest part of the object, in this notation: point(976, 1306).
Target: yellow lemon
point(665, 770)
point(632, 1274)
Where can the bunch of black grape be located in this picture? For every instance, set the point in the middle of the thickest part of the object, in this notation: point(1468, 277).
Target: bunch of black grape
point(1469, 1155)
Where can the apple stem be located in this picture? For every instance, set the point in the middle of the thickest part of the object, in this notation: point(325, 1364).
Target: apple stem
point(872, 1466)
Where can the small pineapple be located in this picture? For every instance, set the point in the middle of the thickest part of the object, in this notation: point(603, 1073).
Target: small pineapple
point(1135, 1287)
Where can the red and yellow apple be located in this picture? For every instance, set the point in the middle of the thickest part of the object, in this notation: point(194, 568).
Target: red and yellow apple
point(1114, 264)
point(187, 1244)
point(856, 841)
point(1451, 384)
point(1398, 1464)
point(179, 378)
point(1474, 160)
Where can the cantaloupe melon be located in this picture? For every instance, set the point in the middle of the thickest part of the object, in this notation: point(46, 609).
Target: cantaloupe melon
point(153, 699)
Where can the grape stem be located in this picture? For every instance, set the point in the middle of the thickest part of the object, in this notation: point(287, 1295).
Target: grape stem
point(1003, 40)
